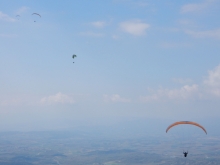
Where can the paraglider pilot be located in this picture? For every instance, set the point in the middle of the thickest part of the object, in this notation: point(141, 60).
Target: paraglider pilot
point(185, 153)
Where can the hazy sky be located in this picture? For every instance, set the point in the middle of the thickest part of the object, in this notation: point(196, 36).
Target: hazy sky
point(136, 59)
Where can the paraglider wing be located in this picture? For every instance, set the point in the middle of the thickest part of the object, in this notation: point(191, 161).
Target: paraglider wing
point(36, 14)
point(74, 56)
point(186, 122)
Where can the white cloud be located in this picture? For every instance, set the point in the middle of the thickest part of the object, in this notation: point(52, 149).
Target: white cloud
point(212, 82)
point(205, 34)
point(185, 92)
point(195, 7)
point(98, 24)
point(115, 98)
point(213, 79)
point(58, 98)
point(5, 17)
point(134, 27)
point(22, 10)
point(209, 88)
point(92, 34)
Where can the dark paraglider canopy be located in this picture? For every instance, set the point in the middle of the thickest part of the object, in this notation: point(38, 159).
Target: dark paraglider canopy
point(36, 14)
point(73, 56)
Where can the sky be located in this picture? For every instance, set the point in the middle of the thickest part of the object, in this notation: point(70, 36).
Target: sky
point(137, 60)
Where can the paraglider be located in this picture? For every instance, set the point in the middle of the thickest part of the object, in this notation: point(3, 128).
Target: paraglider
point(18, 16)
point(73, 56)
point(186, 122)
point(36, 14)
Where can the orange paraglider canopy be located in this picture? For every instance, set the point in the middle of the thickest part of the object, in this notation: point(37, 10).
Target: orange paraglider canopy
point(186, 122)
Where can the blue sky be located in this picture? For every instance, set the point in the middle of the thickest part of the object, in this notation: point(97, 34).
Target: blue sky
point(136, 60)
